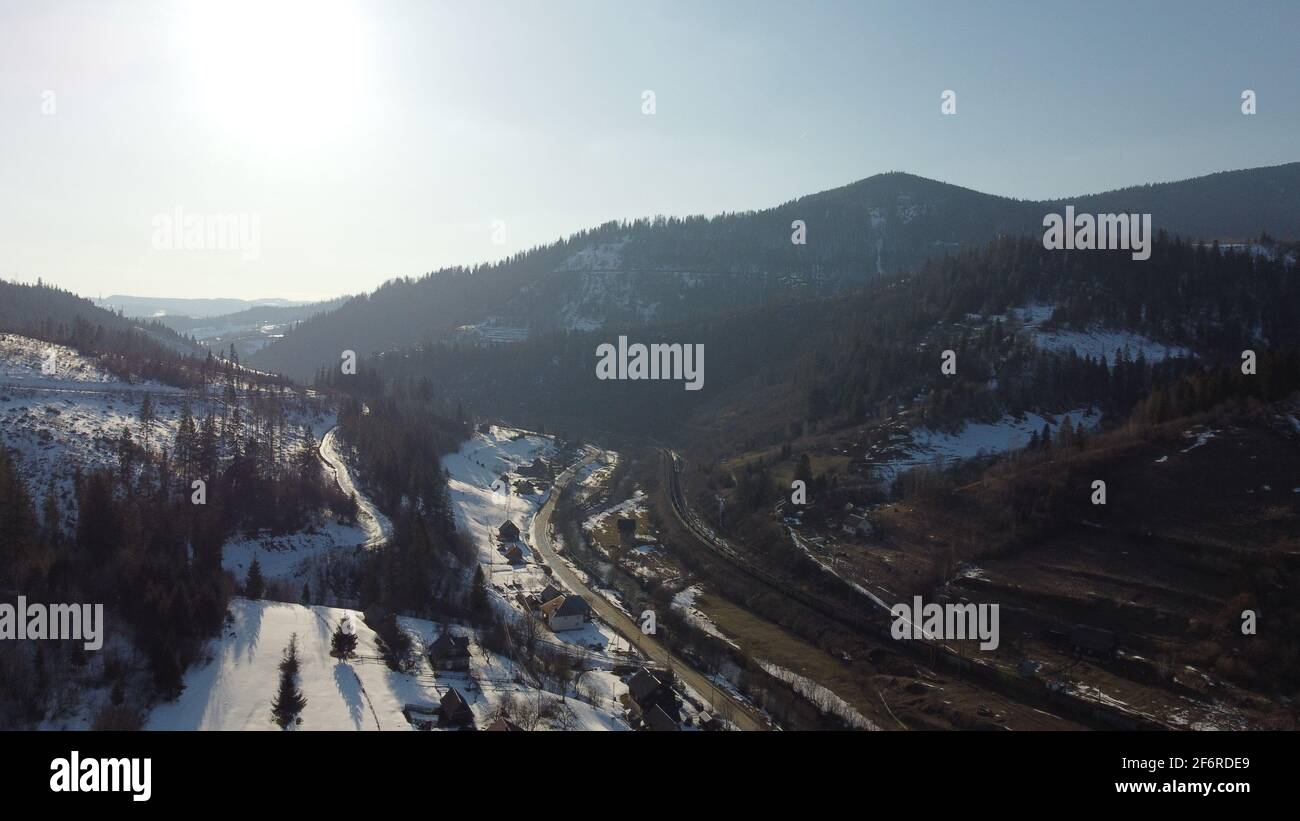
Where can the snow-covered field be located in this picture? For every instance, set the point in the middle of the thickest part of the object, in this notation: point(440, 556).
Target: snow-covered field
point(978, 438)
point(1099, 343)
point(626, 508)
point(292, 557)
point(479, 497)
point(234, 690)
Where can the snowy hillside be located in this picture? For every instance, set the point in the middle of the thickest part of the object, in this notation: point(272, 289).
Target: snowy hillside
point(73, 418)
point(1098, 343)
point(234, 691)
point(924, 446)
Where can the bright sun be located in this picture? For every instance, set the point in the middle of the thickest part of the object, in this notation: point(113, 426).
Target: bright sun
point(275, 73)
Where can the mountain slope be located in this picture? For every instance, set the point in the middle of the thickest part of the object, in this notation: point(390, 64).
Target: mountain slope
point(55, 315)
point(664, 270)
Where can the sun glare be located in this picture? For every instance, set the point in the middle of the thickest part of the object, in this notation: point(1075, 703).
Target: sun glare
point(276, 73)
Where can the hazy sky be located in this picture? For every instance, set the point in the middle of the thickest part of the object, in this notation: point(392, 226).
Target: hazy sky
point(383, 139)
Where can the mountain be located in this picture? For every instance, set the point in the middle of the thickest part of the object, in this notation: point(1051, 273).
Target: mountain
point(248, 330)
point(1033, 330)
point(669, 269)
point(56, 315)
point(147, 306)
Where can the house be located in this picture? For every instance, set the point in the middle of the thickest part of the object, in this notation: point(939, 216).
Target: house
point(566, 613)
point(646, 689)
point(515, 554)
point(508, 532)
point(537, 470)
point(504, 725)
point(455, 710)
point(448, 652)
point(548, 593)
point(658, 720)
point(856, 525)
point(650, 698)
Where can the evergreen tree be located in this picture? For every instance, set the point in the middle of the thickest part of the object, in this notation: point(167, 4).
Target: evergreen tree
point(185, 441)
point(254, 585)
point(344, 641)
point(289, 700)
point(146, 418)
point(478, 591)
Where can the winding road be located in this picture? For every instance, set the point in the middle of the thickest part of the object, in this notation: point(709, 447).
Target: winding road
point(744, 716)
point(376, 525)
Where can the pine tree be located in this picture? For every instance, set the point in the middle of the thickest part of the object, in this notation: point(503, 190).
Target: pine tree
point(185, 441)
point(289, 700)
point(254, 585)
point(146, 418)
point(344, 641)
point(478, 592)
point(207, 447)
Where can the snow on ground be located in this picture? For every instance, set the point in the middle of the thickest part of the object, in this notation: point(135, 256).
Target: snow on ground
point(978, 438)
point(628, 507)
point(603, 257)
point(294, 556)
point(74, 417)
point(24, 361)
point(684, 603)
point(1200, 437)
point(820, 696)
point(377, 527)
point(234, 690)
point(1099, 343)
point(594, 474)
point(482, 501)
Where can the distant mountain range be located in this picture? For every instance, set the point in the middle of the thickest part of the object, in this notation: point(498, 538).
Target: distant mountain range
point(147, 307)
point(669, 269)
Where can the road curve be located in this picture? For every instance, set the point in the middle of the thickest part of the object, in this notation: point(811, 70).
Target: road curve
point(742, 714)
point(375, 524)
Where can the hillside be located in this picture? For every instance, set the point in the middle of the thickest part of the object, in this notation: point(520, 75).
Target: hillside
point(669, 269)
point(56, 315)
point(1032, 330)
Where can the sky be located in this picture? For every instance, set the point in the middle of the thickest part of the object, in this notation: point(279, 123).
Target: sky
point(343, 144)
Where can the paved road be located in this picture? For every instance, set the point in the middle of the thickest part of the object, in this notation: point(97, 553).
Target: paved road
point(744, 717)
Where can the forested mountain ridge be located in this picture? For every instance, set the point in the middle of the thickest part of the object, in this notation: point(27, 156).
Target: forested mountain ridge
point(666, 269)
point(54, 314)
point(1026, 325)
